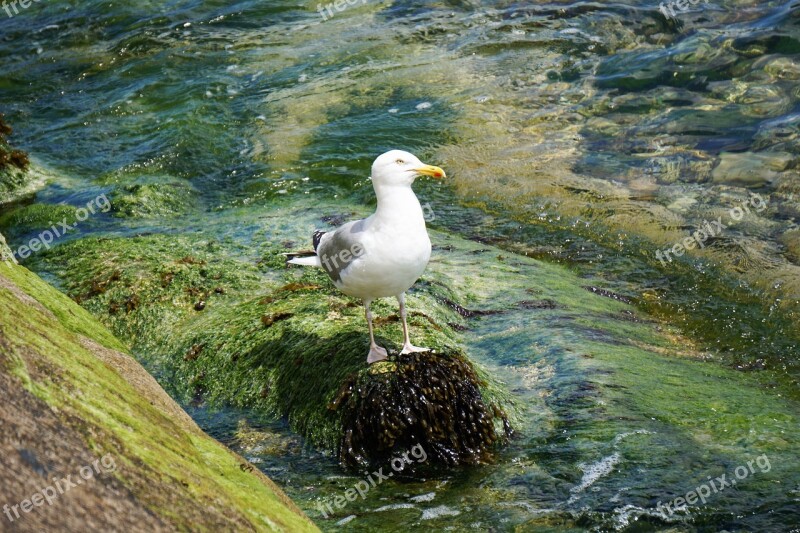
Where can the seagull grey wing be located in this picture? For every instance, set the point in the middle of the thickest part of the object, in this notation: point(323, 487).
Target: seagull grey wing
point(338, 250)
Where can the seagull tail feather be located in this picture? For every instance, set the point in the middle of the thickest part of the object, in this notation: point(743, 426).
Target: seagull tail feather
point(312, 260)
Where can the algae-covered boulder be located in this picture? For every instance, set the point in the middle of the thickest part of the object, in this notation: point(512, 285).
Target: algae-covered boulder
point(150, 200)
point(26, 218)
point(422, 399)
point(91, 442)
point(225, 331)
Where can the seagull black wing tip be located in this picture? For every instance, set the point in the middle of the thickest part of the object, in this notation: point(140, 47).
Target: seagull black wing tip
point(317, 238)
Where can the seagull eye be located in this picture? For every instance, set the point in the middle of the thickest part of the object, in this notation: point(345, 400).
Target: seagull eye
point(400, 162)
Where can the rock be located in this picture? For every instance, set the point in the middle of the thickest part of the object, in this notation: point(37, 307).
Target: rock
point(763, 101)
point(791, 240)
point(296, 349)
point(36, 217)
point(783, 68)
point(147, 200)
point(750, 169)
point(76, 405)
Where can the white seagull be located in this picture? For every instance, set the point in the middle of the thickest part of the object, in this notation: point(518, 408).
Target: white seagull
point(384, 254)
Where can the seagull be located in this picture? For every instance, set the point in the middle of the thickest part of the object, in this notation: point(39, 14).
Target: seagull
point(384, 254)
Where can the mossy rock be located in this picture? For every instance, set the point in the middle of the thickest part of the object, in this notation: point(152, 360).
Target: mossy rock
point(223, 331)
point(149, 200)
point(35, 217)
point(71, 395)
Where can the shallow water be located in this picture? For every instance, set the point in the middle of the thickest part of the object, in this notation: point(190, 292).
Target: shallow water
point(588, 134)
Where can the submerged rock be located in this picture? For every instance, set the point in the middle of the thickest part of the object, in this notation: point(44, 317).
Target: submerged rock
point(791, 240)
point(751, 169)
point(152, 200)
point(32, 217)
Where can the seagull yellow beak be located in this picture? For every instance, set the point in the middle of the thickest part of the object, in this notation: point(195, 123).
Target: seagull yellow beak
point(432, 171)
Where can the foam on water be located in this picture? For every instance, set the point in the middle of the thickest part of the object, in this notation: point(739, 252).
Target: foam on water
point(346, 520)
point(394, 506)
point(437, 512)
point(593, 472)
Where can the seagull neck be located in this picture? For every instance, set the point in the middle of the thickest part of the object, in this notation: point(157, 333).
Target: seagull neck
point(398, 204)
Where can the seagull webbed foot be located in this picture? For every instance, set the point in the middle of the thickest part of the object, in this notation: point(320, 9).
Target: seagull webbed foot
point(410, 348)
point(376, 353)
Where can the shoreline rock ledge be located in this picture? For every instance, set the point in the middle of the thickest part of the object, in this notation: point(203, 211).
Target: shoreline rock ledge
point(90, 441)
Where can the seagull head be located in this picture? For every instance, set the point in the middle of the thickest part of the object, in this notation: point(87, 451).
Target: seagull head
point(397, 167)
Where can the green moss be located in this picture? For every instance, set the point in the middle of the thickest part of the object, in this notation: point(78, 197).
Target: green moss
point(70, 316)
point(150, 445)
point(36, 217)
point(143, 287)
point(150, 200)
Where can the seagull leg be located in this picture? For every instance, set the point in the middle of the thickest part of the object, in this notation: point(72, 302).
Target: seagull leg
point(376, 353)
point(407, 346)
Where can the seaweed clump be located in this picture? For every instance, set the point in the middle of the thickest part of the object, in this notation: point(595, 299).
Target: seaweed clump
point(10, 157)
point(427, 399)
point(14, 165)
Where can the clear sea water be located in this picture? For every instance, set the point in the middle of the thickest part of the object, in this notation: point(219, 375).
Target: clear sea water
point(588, 134)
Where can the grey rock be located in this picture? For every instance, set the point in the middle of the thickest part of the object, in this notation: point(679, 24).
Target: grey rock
point(750, 169)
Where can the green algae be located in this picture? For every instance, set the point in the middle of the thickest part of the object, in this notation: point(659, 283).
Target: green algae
point(70, 316)
point(152, 200)
point(34, 217)
point(116, 418)
point(143, 286)
point(5, 252)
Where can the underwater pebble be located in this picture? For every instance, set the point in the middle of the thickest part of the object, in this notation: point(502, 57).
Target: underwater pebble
point(394, 110)
point(424, 105)
point(750, 169)
point(423, 497)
